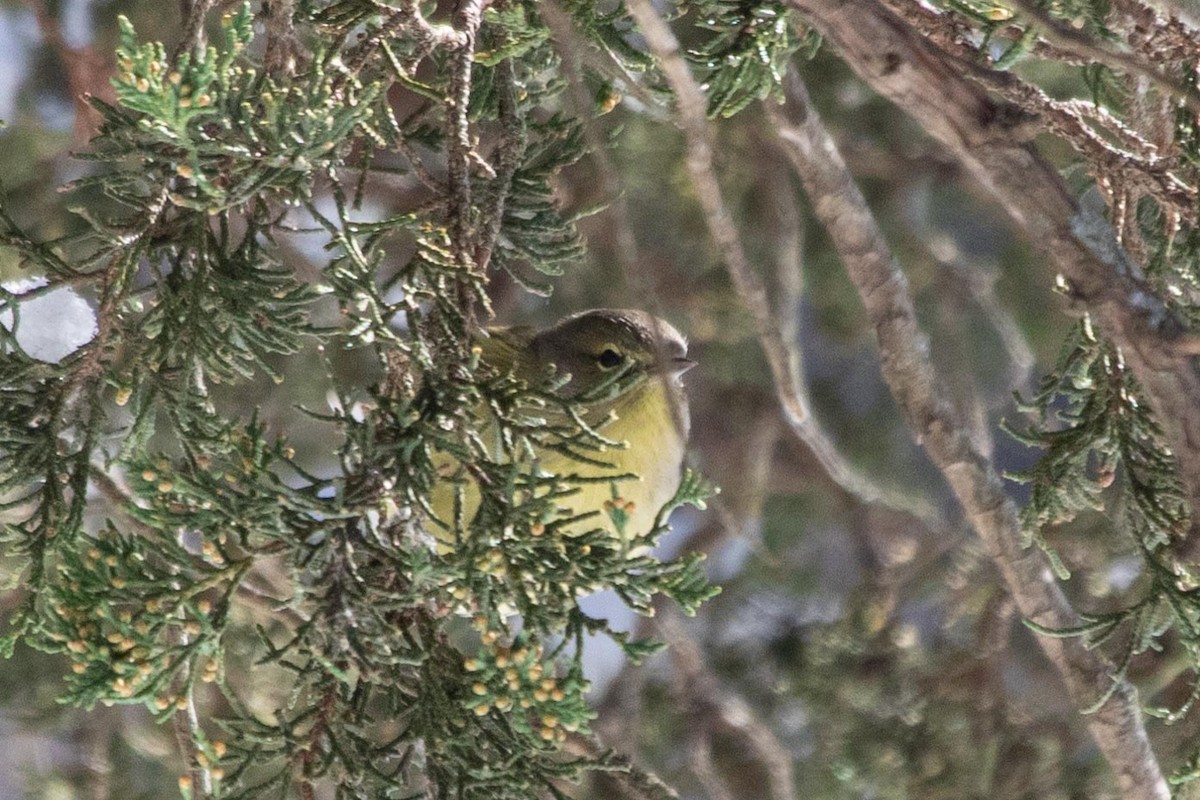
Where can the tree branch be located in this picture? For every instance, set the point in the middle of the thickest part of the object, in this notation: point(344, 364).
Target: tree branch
point(990, 139)
point(1084, 46)
point(193, 37)
point(1110, 146)
point(908, 370)
point(508, 158)
point(467, 19)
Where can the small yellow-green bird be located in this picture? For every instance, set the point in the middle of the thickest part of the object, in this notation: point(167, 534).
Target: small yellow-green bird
point(649, 416)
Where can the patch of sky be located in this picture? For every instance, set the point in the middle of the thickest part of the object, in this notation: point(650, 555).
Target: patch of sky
point(50, 326)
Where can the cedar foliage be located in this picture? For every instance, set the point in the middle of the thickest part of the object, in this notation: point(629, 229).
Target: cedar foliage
point(205, 158)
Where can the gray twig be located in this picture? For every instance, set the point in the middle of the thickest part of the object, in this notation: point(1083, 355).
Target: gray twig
point(192, 39)
point(467, 21)
point(508, 158)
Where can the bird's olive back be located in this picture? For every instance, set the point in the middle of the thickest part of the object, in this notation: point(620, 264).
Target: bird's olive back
point(592, 345)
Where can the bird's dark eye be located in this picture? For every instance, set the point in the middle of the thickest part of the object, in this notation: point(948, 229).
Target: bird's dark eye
point(610, 358)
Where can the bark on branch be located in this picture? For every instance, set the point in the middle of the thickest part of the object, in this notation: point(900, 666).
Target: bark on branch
point(991, 139)
point(904, 352)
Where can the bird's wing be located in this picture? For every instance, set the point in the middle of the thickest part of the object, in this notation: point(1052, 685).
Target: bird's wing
point(508, 350)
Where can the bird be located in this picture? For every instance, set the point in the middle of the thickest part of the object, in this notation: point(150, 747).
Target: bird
point(640, 359)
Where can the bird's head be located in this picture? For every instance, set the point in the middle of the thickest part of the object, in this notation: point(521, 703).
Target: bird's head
point(595, 345)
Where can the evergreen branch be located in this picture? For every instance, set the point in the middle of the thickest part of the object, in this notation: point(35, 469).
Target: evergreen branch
point(186, 725)
point(508, 159)
point(204, 154)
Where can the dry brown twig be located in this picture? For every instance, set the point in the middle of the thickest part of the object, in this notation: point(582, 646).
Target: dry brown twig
point(1084, 46)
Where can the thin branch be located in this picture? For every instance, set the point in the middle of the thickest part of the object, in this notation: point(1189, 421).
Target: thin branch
point(418, 167)
point(1179, 10)
point(53, 283)
point(284, 49)
point(186, 724)
point(98, 734)
point(634, 781)
point(409, 20)
point(781, 355)
point(976, 280)
point(907, 368)
point(715, 710)
point(1108, 144)
point(700, 757)
point(507, 158)
point(460, 153)
point(1161, 35)
point(692, 118)
point(192, 40)
point(467, 21)
point(569, 45)
point(576, 50)
point(263, 599)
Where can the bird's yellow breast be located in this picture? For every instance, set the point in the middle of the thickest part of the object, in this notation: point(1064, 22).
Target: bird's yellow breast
point(650, 419)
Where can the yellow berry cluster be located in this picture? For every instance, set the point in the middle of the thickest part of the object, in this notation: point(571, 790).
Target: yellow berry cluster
point(207, 756)
point(492, 562)
point(506, 677)
point(129, 663)
point(626, 507)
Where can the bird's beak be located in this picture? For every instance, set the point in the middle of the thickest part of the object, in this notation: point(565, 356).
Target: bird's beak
point(678, 366)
